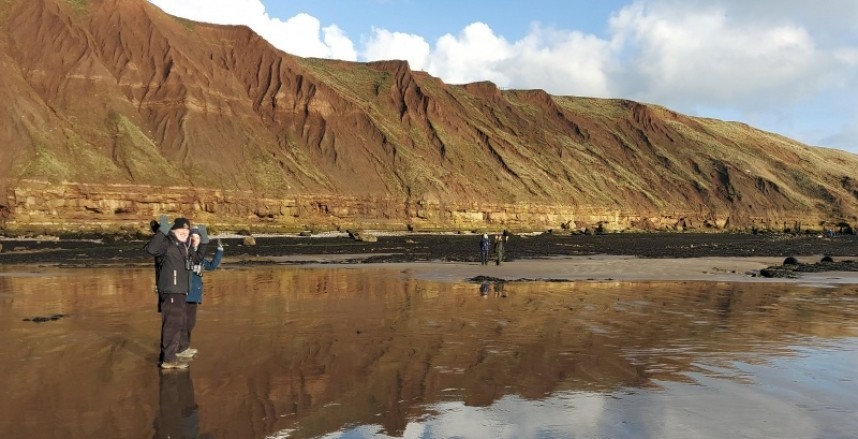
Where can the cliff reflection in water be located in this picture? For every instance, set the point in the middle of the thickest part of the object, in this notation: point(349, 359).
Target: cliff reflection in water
point(305, 352)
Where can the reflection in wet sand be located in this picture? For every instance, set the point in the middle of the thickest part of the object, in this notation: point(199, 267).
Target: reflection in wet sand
point(309, 352)
point(178, 413)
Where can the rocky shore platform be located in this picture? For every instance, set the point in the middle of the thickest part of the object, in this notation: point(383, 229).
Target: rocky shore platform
point(817, 252)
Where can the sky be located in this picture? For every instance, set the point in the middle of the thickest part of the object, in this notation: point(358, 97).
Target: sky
point(785, 66)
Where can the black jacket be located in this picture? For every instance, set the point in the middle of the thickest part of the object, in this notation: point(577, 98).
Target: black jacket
point(173, 262)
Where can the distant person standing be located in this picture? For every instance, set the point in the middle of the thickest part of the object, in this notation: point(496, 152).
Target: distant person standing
point(485, 246)
point(195, 296)
point(500, 246)
point(174, 259)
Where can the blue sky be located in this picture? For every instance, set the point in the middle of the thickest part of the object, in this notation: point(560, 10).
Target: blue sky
point(786, 66)
point(432, 19)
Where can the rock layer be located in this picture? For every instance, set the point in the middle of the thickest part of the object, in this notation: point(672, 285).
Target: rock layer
point(45, 208)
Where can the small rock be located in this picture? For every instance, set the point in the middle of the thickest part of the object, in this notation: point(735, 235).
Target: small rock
point(249, 241)
point(362, 237)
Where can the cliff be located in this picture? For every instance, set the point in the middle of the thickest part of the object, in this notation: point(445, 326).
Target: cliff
point(117, 112)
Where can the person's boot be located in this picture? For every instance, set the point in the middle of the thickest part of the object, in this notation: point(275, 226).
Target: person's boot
point(187, 354)
point(174, 365)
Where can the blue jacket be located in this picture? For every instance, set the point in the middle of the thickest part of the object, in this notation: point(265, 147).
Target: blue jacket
point(485, 244)
point(196, 293)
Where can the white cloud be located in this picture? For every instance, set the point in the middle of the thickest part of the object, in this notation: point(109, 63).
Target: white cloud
point(471, 56)
point(560, 61)
point(684, 56)
point(827, 18)
point(567, 63)
point(215, 11)
point(300, 35)
point(784, 65)
point(385, 45)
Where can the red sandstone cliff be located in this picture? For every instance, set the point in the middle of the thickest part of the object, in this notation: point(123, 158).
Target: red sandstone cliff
point(115, 112)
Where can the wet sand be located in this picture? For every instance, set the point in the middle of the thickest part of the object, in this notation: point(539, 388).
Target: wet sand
point(412, 350)
point(604, 267)
point(410, 337)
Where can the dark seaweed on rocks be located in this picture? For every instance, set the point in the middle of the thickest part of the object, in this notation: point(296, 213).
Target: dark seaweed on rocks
point(449, 247)
point(791, 271)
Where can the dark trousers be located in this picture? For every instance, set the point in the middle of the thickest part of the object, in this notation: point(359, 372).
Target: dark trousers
point(172, 325)
point(190, 322)
point(484, 256)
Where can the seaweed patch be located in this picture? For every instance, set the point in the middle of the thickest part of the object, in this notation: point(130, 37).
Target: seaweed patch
point(42, 319)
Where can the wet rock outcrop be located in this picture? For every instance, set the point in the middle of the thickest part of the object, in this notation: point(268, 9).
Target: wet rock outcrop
point(794, 269)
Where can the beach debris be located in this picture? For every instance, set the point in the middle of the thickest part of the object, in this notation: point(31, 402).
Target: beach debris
point(42, 319)
point(249, 241)
point(482, 278)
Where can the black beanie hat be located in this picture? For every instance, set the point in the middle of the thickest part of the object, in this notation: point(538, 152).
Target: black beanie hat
point(181, 223)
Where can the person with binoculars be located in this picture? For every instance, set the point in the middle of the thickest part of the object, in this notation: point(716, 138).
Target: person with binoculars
point(195, 294)
point(176, 252)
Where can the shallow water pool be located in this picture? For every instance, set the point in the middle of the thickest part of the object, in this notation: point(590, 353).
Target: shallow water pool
point(333, 352)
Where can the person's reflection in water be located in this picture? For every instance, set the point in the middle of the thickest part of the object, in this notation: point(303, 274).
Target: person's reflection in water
point(178, 415)
point(499, 289)
point(484, 289)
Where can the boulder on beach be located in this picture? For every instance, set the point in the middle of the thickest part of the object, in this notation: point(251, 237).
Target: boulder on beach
point(362, 237)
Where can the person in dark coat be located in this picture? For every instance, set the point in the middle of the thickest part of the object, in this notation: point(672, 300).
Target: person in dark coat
point(485, 246)
point(175, 255)
point(195, 296)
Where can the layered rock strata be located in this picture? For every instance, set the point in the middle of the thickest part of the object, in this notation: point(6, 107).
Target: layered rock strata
point(45, 208)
